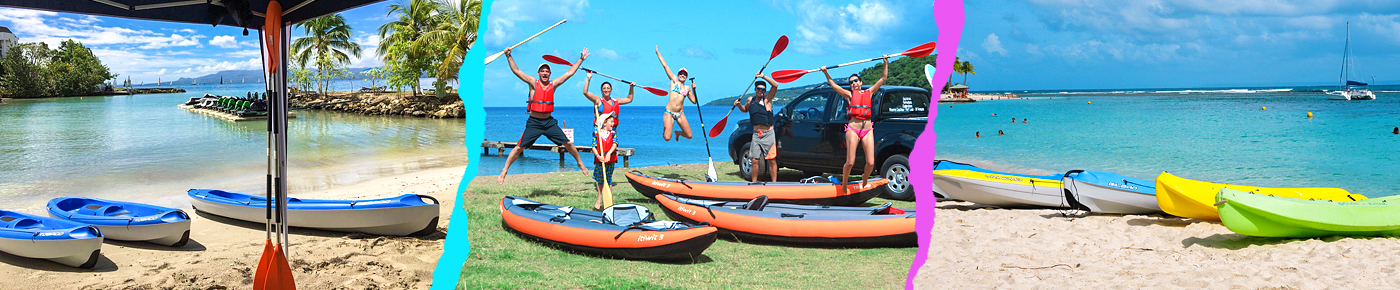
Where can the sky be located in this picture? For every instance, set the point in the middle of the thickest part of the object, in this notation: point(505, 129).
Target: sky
point(149, 50)
point(721, 43)
point(1111, 44)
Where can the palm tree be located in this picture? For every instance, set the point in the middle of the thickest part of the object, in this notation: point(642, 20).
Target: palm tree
point(328, 43)
point(454, 32)
point(966, 69)
point(400, 41)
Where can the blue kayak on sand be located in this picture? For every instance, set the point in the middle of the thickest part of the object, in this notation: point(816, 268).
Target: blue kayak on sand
point(1098, 191)
point(404, 215)
point(64, 242)
point(126, 221)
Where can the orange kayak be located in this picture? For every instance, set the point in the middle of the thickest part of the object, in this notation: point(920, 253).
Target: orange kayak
point(777, 192)
point(824, 226)
point(607, 234)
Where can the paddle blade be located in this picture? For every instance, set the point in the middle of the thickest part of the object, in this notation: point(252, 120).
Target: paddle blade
point(921, 50)
point(719, 127)
point(656, 91)
point(779, 47)
point(787, 76)
point(283, 276)
point(607, 188)
point(711, 176)
point(264, 267)
point(929, 71)
point(493, 57)
point(556, 60)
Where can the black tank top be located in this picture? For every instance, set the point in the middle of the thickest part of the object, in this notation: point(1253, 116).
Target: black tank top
point(759, 114)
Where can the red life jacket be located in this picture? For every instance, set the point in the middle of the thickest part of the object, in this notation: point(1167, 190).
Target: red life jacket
point(608, 106)
point(602, 144)
point(860, 104)
point(543, 99)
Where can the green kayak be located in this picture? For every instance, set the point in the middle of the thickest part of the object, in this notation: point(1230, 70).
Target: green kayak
point(1262, 215)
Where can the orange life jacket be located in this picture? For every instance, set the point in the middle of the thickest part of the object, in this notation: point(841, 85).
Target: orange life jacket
point(543, 99)
point(860, 104)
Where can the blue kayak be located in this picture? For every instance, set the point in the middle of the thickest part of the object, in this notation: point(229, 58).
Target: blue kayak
point(1098, 191)
point(126, 221)
point(404, 215)
point(64, 242)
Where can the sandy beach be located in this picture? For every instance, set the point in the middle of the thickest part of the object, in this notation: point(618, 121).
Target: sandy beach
point(974, 246)
point(223, 253)
point(947, 97)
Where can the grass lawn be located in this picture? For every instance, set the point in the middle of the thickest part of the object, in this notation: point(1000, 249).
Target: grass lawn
point(503, 260)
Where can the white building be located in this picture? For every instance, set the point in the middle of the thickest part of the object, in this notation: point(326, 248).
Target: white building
point(7, 40)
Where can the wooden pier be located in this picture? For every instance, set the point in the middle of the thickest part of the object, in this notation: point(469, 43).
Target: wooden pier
point(227, 116)
point(501, 147)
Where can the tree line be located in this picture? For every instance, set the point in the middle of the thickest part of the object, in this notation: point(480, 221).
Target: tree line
point(33, 70)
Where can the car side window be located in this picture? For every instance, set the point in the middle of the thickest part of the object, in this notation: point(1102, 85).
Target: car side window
point(811, 108)
point(904, 104)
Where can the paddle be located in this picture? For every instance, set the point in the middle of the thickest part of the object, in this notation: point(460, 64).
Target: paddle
point(777, 49)
point(787, 76)
point(493, 57)
point(559, 60)
point(929, 71)
point(265, 261)
point(710, 176)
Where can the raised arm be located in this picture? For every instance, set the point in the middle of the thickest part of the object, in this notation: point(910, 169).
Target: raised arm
point(669, 74)
point(772, 88)
point(591, 97)
point(839, 91)
point(520, 74)
point(572, 69)
point(631, 88)
point(883, 74)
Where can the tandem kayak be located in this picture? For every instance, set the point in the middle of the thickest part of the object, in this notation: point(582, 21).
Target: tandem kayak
point(65, 242)
point(404, 215)
point(827, 226)
point(1098, 191)
point(1196, 199)
point(126, 221)
point(969, 183)
point(622, 231)
point(817, 193)
point(1260, 215)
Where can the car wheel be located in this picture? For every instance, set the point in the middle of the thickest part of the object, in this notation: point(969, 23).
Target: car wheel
point(745, 163)
point(896, 170)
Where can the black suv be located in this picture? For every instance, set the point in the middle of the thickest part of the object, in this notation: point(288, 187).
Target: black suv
point(811, 135)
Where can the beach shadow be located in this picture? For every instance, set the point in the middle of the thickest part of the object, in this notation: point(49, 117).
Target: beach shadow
point(1234, 241)
point(103, 264)
point(542, 192)
point(642, 200)
point(1159, 220)
point(191, 246)
point(261, 227)
point(730, 237)
point(702, 259)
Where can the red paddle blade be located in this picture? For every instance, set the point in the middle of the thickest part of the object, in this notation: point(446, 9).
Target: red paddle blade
point(787, 76)
point(556, 60)
point(921, 50)
point(283, 277)
point(779, 47)
point(656, 91)
point(719, 126)
point(264, 267)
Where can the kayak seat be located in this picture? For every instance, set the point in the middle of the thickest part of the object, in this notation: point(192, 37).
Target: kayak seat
point(626, 214)
point(19, 223)
point(887, 208)
point(757, 203)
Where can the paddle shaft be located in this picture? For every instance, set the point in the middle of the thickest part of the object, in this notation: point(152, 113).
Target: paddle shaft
point(746, 89)
point(703, 132)
point(493, 57)
point(601, 74)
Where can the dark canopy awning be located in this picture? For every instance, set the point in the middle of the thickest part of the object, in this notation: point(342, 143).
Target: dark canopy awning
point(240, 13)
point(1355, 83)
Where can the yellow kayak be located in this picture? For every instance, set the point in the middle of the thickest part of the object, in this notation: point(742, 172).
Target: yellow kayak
point(1196, 199)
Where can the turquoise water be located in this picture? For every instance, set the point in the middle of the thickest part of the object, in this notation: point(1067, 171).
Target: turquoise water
point(639, 127)
point(1211, 135)
point(142, 147)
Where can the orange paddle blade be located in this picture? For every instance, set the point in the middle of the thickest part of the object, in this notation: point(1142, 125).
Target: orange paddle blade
point(272, 24)
point(281, 277)
point(264, 267)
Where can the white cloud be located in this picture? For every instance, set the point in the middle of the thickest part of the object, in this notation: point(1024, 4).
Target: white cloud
point(172, 41)
point(697, 52)
point(224, 41)
point(609, 54)
point(849, 26)
point(506, 14)
point(993, 45)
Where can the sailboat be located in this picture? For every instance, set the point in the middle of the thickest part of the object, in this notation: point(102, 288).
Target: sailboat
point(1348, 89)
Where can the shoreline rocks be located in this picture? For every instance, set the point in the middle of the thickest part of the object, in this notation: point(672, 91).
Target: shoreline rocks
point(391, 104)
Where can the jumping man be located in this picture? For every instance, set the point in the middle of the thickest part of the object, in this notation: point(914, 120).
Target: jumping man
point(763, 145)
point(541, 107)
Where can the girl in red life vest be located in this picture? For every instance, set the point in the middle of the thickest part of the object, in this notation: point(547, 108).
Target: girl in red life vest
point(606, 104)
point(859, 127)
point(604, 153)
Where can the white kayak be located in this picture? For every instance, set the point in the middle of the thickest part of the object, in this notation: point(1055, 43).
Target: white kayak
point(404, 215)
point(970, 183)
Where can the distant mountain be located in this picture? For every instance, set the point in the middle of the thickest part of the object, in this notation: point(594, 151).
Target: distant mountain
point(784, 95)
point(249, 76)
